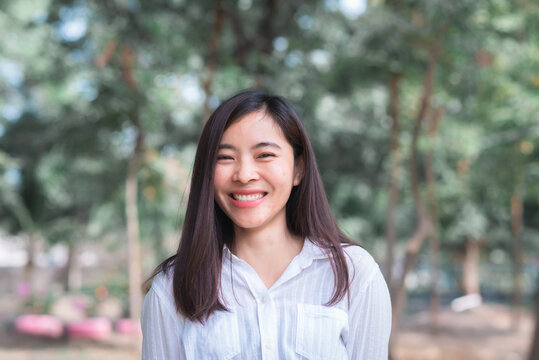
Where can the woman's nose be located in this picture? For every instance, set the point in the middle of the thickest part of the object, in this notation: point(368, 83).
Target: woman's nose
point(245, 172)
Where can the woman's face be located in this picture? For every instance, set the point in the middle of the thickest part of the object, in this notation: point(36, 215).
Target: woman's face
point(255, 172)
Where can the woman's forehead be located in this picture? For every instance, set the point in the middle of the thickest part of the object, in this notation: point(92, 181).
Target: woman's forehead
point(255, 126)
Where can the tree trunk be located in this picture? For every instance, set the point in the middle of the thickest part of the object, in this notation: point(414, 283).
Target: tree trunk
point(30, 267)
point(211, 64)
point(398, 295)
point(17, 205)
point(127, 59)
point(133, 242)
point(534, 348)
point(267, 32)
point(434, 240)
point(394, 81)
point(72, 279)
point(131, 194)
point(424, 223)
point(470, 274)
point(516, 222)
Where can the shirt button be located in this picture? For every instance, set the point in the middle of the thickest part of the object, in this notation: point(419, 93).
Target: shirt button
point(264, 299)
point(268, 346)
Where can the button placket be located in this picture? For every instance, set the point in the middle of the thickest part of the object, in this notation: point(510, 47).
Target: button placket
point(266, 326)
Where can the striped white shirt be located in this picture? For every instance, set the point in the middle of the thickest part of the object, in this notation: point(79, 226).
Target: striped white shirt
point(287, 321)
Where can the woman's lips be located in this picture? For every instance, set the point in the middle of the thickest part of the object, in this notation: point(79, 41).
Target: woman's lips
point(247, 199)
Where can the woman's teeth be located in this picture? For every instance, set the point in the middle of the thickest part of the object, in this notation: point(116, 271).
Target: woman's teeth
point(250, 197)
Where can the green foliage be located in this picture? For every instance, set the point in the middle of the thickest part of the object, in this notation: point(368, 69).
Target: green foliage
point(69, 116)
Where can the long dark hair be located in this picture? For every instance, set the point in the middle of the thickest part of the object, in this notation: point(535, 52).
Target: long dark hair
point(198, 261)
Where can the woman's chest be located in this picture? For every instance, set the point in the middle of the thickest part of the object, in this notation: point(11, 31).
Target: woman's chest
point(267, 329)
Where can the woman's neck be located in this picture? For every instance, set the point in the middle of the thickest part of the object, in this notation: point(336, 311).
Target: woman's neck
point(269, 252)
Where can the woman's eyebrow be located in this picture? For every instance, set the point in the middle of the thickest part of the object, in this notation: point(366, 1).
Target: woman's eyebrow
point(257, 146)
point(266, 144)
point(225, 146)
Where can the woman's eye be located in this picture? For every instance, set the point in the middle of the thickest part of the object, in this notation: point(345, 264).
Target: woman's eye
point(265, 155)
point(224, 157)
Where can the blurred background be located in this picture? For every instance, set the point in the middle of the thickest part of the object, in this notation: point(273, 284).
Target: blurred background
point(424, 116)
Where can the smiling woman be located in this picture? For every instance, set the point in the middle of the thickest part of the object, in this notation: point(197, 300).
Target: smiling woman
point(262, 270)
point(254, 175)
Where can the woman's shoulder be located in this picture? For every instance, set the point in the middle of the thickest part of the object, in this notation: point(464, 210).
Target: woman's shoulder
point(355, 255)
point(162, 285)
point(361, 264)
point(160, 320)
point(358, 255)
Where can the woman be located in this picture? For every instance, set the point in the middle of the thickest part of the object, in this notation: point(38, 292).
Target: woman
point(262, 270)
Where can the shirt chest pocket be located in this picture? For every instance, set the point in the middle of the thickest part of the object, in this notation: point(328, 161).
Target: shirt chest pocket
point(321, 332)
point(217, 339)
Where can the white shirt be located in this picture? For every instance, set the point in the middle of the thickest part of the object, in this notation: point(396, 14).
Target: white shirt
point(287, 321)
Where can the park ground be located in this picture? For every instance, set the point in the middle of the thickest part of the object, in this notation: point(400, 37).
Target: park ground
point(482, 333)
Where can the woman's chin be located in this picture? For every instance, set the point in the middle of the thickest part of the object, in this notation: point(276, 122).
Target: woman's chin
point(248, 224)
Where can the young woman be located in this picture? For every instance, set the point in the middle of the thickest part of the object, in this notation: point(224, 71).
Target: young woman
point(262, 270)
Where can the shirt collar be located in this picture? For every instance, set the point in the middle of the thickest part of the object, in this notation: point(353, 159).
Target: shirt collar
point(227, 254)
point(307, 255)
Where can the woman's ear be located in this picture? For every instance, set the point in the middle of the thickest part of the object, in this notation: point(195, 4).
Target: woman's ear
point(299, 170)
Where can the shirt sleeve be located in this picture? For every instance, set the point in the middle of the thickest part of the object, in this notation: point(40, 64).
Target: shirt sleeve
point(369, 317)
point(161, 328)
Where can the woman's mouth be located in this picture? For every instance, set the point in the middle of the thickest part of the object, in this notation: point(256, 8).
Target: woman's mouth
point(247, 200)
point(249, 197)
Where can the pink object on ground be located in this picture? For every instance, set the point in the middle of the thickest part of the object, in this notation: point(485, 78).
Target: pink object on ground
point(127, 327)
point(23, 289)
point(94, 328)
point(43, 325)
